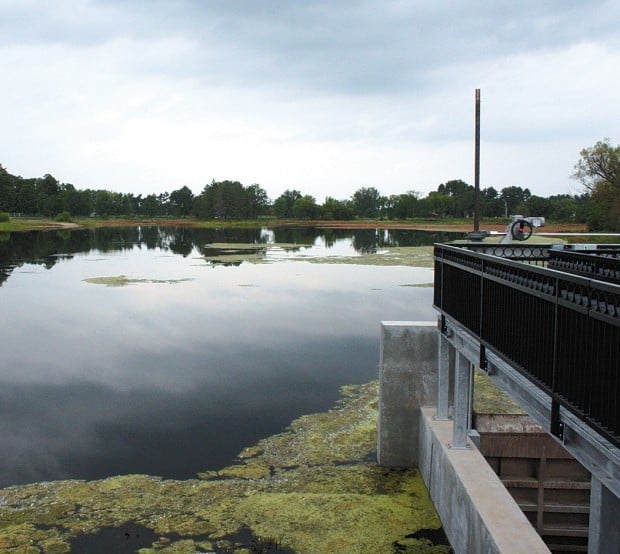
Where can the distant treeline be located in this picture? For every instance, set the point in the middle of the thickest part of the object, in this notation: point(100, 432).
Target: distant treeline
point(46, 196)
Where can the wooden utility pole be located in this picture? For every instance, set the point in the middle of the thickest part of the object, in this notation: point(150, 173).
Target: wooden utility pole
point(477, 166)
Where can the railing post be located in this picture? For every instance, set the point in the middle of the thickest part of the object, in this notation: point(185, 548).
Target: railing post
point(443, 378)
point(462, 395)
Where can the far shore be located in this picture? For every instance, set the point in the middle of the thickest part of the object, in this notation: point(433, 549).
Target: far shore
point(439, 225)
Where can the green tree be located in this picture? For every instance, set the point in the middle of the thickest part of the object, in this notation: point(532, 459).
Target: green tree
point(151, 205)
point(257, 201)
point(535, 206)
point(222, 200)
point(283, 205)
point(108, 203)
point(26, 196)
point(463, 194)
point(366, 202)
point(306, 208)
point(599, 165)
point(181, 201)
point(490, 203)
point(7, 191)
point(76, 202)
point(438, 204)
point(563, 207)
point(403, 206)
point(337, 209)
point(163, 200)
point(598, 170)
point(512, 197)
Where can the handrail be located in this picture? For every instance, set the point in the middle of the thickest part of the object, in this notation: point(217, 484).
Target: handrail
point(602, 264)
point(559, 329)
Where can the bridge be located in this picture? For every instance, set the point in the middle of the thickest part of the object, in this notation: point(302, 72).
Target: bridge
point(543, 322)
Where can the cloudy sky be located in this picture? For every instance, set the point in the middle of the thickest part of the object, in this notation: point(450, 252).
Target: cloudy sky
point(321, 96)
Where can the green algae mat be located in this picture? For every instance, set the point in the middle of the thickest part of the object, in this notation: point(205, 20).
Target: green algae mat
point(315, 488)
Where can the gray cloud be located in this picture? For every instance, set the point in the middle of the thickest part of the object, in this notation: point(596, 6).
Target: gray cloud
point(350, 80)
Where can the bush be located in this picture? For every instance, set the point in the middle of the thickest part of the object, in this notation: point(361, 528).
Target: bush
point(63, 217)
point(4, 217)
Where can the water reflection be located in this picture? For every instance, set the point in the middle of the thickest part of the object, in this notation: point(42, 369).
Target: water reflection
point(47, 248)
point(173, 379)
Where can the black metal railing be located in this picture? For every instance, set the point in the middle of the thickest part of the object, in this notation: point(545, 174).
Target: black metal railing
point(561, 330)
point(602, 264)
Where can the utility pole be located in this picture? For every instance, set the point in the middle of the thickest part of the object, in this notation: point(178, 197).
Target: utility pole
point(477, 166)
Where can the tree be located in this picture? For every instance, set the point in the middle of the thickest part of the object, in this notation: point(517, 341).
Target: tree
point(403, 206)
point(306, 208)
point(222, 200)
point(599, 166)
point(7, 191)
point(76, 202)
point(563, 207)
point(490, 203)
point(151, 205)
point(283, 205)
point(26, 196)
point(438, 204)
point(108, 203)
point(598, 169)
point(163, 200)
point(512, 197)
point(463, 195)
point(181, 201)
point(366, 202)
point(257, 201)
point(337, 209)
point(536, 206)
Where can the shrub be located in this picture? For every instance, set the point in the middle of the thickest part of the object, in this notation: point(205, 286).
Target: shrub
point(63, 217)
point(4, 217)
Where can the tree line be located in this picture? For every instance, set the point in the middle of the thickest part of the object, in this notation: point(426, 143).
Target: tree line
point(598, 169)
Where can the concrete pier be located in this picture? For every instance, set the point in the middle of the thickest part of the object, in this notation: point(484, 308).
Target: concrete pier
point(407, 381)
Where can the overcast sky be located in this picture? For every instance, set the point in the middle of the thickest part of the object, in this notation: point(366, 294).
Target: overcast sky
point(321, 96)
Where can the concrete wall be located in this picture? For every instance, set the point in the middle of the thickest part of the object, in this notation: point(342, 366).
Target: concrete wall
point(477, 512)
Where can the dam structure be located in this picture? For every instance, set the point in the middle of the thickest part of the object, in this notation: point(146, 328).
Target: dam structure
point(542, 322)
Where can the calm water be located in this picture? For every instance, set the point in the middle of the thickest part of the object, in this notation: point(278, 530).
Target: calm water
point(177, 373)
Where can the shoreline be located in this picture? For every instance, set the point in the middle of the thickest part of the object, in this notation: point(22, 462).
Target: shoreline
point(43, 224)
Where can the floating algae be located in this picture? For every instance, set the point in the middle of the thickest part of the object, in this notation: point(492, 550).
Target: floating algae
point(123, 281)
point(490, 399)
point(231, 254)
point(236, 254)
point(313, 488)
point(415, 256)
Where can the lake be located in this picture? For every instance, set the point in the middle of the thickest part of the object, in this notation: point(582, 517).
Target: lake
point(166, 351)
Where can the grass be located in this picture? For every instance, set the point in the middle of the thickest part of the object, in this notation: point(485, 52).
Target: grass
point(35, 223)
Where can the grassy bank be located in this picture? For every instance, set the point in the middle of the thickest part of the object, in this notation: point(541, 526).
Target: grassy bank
point(464, 225)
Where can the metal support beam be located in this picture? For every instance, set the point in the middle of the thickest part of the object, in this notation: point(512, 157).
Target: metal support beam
point(443, 379)
point(597, 455)
point(462, 401)
point(604, 531)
